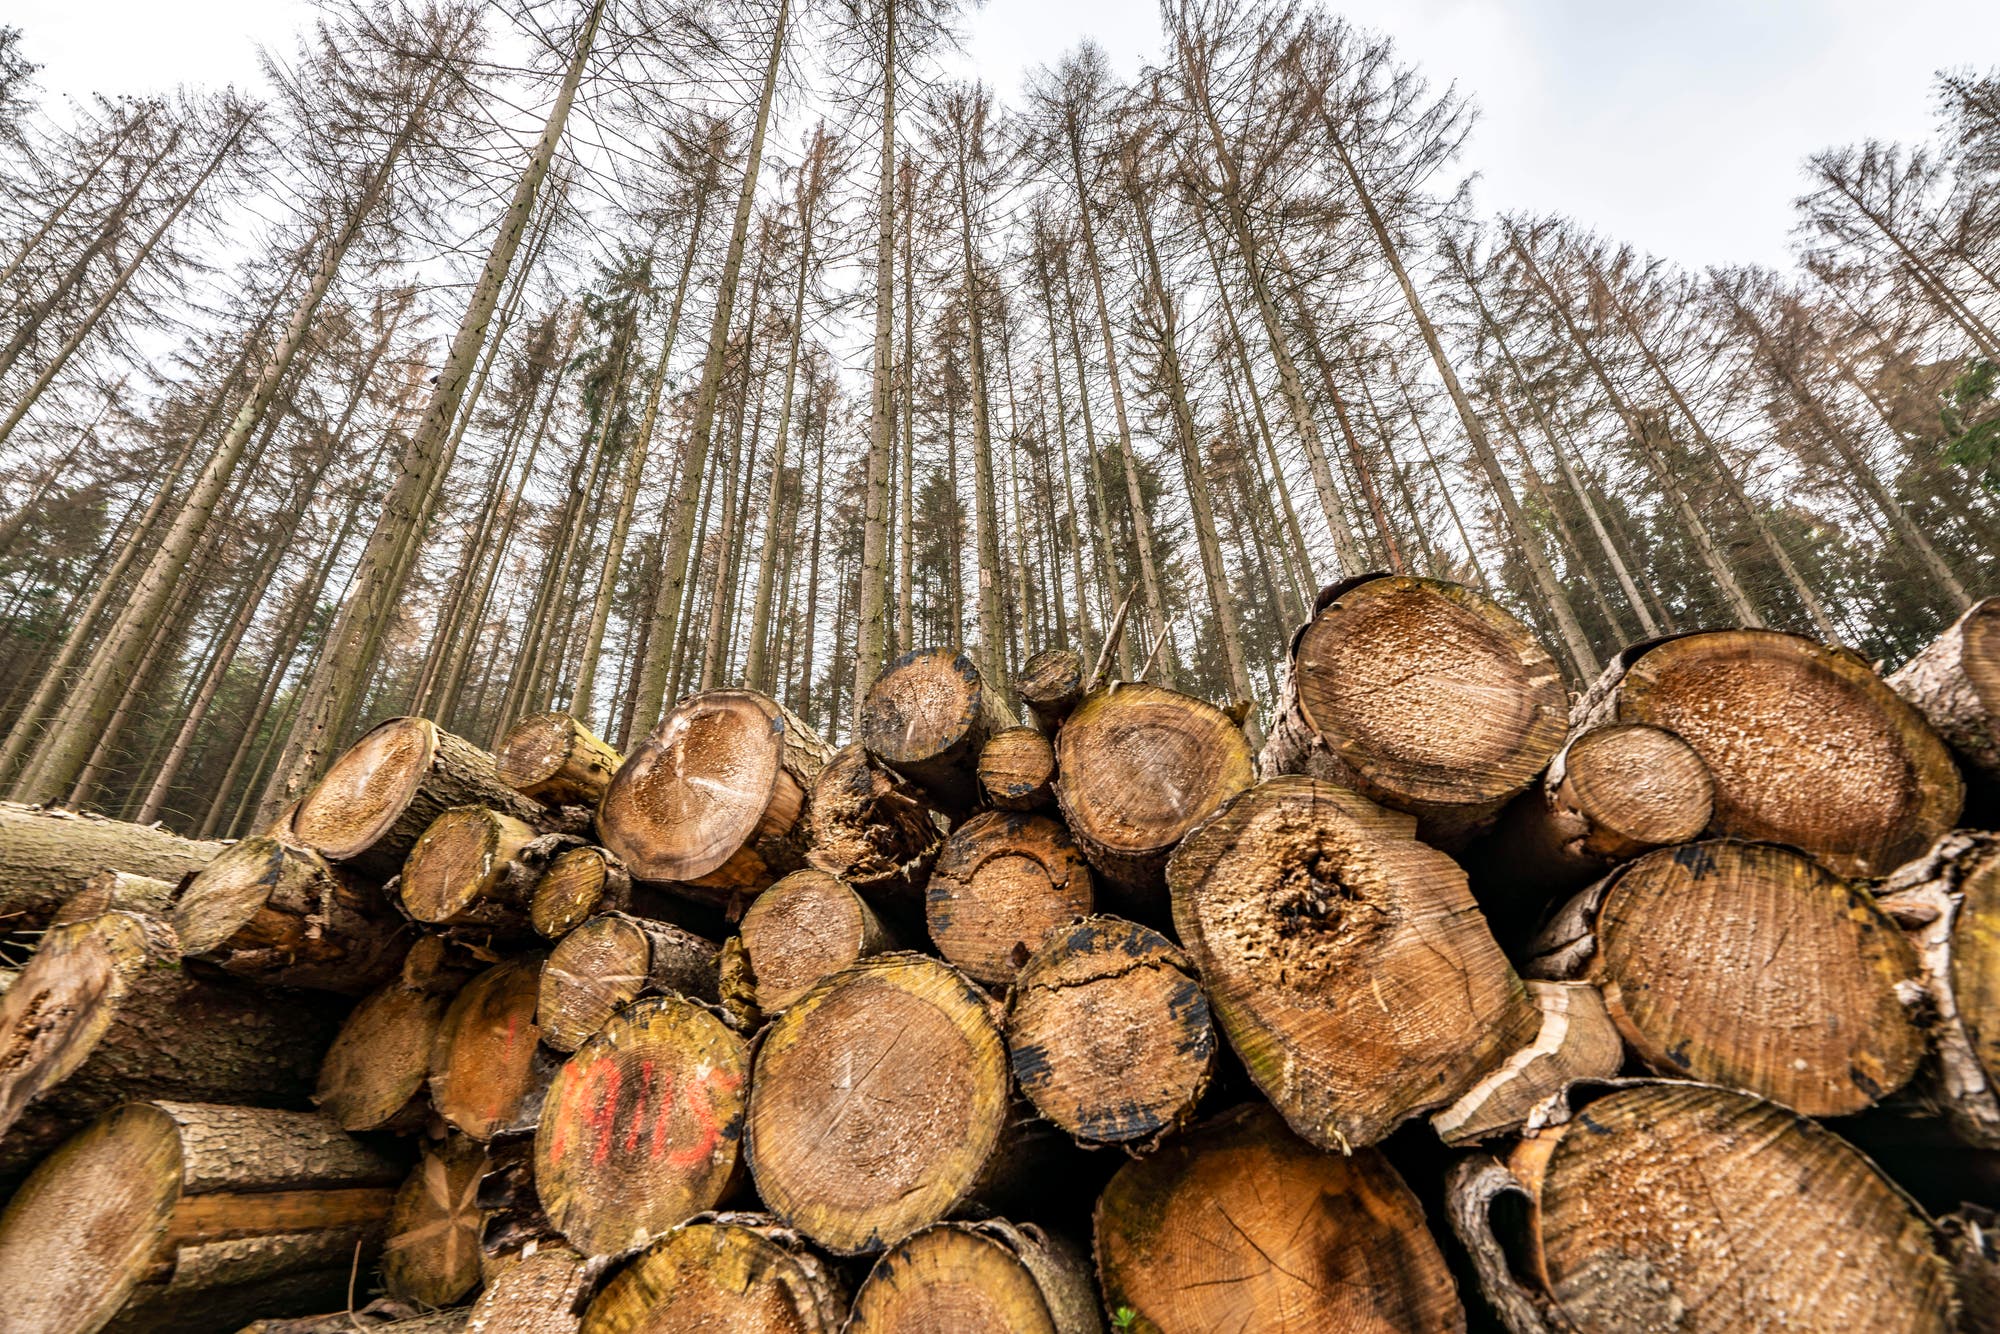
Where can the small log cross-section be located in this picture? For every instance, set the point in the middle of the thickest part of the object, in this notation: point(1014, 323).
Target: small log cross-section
point(542, 1293)
point(1424, 696)
point(641, 1127)
point(104, 1012)
point(1346, 962)
point(1239, 1225)
point(169, 1217)
point(556, 760)
point(373, 1075)
point(578, 883)
point(1955, 684)
point(1806, 745)
point(431, 1256)
point(877, 1102)
point(1577, 1040)
point(874, 829)
point(1138, 766)
point(1017, 770)
point(928, 716)
point(1644, 1198)
point(1004, 882)
point(804, 927)
point(714, 801)
point(1050, 685)
point(978, 1278)
point(1110, 1034)
point(469, 872)
point(280, 914)
point(384, 791)
point(47, 856)
point(1749, 965)
point(739, 1273)
point(483, 1060)
point(612, 960)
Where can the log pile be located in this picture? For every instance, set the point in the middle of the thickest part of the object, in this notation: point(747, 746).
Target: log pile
point(1462, 1005)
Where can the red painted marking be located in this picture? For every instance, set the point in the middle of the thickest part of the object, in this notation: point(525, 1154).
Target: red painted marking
point(701, 1105)
point(633, 1127)
point(604, 1122)
point(662, 1118)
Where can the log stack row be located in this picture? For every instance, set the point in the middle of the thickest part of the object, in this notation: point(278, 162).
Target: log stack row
point(1462, 1005)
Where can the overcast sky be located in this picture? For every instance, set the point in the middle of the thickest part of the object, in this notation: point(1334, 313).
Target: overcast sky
point(1679, 127)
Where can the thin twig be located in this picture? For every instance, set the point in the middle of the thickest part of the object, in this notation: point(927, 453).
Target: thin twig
point(1111, 637)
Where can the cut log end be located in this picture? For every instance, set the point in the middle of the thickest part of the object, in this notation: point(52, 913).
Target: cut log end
point(988, 1278)
point(927, 716)
point(1017, 770)
point(578, 884)
point(456, 873)
point(1109, 1033)
point(1004, 882)
point(1051, 685)
point(878, 1100)
point(367, 789)
point(373, 1075)
point(431, 1256)
point(556, 760)
point(803, 928)
point(612, 960)
point(483, 1060)
point(1636, 788)
point(735, 1273)
point(873, 829)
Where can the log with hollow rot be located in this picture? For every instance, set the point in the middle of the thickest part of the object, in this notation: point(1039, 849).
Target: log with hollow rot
point(1955, 684)
point(166, 1216)
point(578, 883)
point(878, 1103)
point(275, 912)
point(1017, 770)
point(1051, 686)
point(1239, 1224)
point(642, 1126)
point(1806, 745)
point(475, 870)
point(1109, 1033)
point(733, 1272)
point(486, 1064)
point(1611, 794)
point(1576, 1040)
point(1688, 1207)
point(714, 802)
point(374, 1074)
point(48, 856)
point(806, 926)
point(104, 1012)
point(1424, 696)
point(430, 1256)
point(927, 717)
point(385, 790)
point(1949, 901)
point(1345, 961)
point(1749, 965)
point(1138, 766)
point(611, 961)
point(542, 1293)
point(1004, 882)
point(875, 830)
point(978, 1278)
point(556, 760)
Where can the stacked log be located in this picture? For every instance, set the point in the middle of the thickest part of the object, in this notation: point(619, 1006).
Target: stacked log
point(739, 1031)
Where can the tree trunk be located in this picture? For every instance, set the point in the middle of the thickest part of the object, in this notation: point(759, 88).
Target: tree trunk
point(1004, 882)
point(870, 654)
point(46, 856)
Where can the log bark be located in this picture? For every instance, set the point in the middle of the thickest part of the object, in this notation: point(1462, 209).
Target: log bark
point(556, 760)
point(47, 856)
point(1240, 1225)
point(928, 717)
point(1051, 685)
point(1806, 745)
point(878, 1101)
point(1949, 902)
point(611, 961)
point(875, 830)
point(978, 1278)
point(116, 891)
point(475, 869)
point(484, 1065)
point(1610, 794)
point(1620, 1235)
point(1005, 881)
point(384, 791)
point(1424, 696)
point(1748, 965)
point(374, 1074)
point(735, 1272)
point(431, 1256)
point(277, 913)
point(1576, 1040)
point(1346, 962)
point(714, 802)
point(1109, 1033)
point(1137, 767)
point(167, 1216)
point(542, 1293)
point(1955, 684)
point(640, 1129)
point(1017, 770)
point(104, 1012)
point(806, 926)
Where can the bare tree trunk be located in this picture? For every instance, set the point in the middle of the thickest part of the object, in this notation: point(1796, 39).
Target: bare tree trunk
point(869, 646)
point(61, 210)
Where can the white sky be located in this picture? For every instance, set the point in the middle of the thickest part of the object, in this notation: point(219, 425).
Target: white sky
point(1678, 127)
